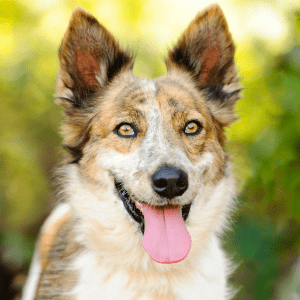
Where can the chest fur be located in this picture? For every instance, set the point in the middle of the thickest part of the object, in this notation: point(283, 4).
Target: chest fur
point(97, 280)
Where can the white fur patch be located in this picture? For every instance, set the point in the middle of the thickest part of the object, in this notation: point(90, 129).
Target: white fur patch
point(56, 214)
point(33, 278)
point(229, 88)
point(210, 282)
point(101, 285)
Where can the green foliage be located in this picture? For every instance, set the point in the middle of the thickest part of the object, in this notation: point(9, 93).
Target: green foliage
point(28, 131)
point(267, 230)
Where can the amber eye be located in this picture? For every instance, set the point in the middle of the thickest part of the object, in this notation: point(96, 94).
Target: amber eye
point(192, 128)
point(126, 130)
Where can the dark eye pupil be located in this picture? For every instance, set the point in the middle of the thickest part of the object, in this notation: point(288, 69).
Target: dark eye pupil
point(126, 130)
point(192, 128)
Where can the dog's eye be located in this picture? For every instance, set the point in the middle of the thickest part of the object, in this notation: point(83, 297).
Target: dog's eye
point(125, 130)
point(192, 128)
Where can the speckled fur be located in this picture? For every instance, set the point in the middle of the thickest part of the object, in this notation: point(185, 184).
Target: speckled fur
point(90, 247)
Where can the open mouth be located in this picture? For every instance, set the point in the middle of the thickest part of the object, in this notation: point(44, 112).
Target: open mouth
point(135, 212)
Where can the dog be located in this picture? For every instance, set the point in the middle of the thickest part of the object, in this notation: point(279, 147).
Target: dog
point(145, 189)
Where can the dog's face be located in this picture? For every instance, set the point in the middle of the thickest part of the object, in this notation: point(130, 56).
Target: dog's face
point(150, 143)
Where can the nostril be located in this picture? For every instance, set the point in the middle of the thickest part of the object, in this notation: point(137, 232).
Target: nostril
point(181, 183)
point(161, 183)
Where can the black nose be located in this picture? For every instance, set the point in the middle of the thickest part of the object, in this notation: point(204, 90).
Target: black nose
point(169, 182)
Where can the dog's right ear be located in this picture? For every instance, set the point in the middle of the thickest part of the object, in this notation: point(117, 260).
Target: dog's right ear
point(90, 58)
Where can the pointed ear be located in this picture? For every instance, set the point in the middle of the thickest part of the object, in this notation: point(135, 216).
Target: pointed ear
point(89, 59)
point(206, 52)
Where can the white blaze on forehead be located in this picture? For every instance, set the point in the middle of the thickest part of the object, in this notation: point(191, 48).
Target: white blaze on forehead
point(148, 86)
point(156, 148)
point(154, 139)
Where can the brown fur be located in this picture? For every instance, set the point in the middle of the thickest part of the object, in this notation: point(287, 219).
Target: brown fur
point(56, 249)
point(96, 239)
point(85, 53)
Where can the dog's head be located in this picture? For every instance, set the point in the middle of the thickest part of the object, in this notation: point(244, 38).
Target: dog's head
point(153, 147)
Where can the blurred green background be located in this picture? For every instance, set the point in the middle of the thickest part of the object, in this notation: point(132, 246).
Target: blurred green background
point(264, 143)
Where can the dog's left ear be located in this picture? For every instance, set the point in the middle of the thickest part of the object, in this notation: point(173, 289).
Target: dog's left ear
point(206, 52)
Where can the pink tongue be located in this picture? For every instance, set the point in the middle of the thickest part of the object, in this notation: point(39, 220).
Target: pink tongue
point(166, 239)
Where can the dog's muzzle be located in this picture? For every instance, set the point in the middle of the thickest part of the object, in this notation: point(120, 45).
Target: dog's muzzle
point(167, 181)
